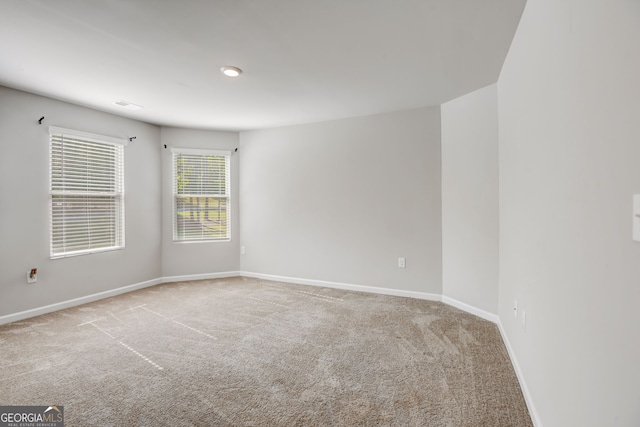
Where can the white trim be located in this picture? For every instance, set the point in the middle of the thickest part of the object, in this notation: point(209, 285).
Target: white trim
point(535, 418)
point(76, 301)
point(199, 151)
point(188, 242)
point(204, 276)
point(14, 317)
point(54, 130)
point(345, 286)
point(471, 309)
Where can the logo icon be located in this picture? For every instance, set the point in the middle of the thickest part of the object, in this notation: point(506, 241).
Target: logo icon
point(32, 416)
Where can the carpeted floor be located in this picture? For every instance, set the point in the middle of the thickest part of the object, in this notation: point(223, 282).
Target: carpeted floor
point(248, 352)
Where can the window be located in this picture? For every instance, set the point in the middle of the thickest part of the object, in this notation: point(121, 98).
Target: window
point(86, 193)
point(201, 195)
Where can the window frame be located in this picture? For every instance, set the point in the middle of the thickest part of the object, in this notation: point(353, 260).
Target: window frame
point(58, 246)
point(175, 153)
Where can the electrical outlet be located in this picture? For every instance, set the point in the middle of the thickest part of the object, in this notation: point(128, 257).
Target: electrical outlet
point(515, 308)
point(32, 275)
point(402, 263)
point(243, 250)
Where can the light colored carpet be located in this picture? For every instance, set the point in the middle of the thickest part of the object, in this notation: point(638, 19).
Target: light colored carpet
point(247, 352)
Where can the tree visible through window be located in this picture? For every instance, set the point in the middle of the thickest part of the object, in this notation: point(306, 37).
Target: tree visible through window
point(86, 193)
point(201, 195)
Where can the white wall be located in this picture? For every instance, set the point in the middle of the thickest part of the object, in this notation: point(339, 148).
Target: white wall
point(198, 258)
point(569, 108)
point(340, 201)
point(24, 212)
point(470, 199)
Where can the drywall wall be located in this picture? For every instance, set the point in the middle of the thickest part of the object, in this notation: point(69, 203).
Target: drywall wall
point(24, 211)
point(198, 258)
point(340, 201)
point(569, 130)
point(470, 199)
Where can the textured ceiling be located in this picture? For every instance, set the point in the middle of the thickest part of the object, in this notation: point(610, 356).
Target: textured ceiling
point(303, 60)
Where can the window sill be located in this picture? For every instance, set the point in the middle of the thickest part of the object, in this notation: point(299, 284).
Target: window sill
point(181, 242)
point(89, 252)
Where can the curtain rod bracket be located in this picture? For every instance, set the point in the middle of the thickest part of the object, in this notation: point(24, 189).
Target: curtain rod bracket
point(132, 138)
point(40, 121)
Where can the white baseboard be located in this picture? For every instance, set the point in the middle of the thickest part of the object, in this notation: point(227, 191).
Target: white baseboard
point(359, 288)
point(189, 277)
point(344, 286)
point(471, 309)
point(535, 418)
point(14, 317)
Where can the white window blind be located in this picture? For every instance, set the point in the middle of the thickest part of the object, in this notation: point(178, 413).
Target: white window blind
point(201, 186)
point(86, 192)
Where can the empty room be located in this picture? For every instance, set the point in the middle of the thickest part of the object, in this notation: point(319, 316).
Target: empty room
point(320, 213)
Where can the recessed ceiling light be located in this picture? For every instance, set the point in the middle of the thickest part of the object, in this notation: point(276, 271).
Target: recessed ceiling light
point(230, 71)
point(128, 105)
